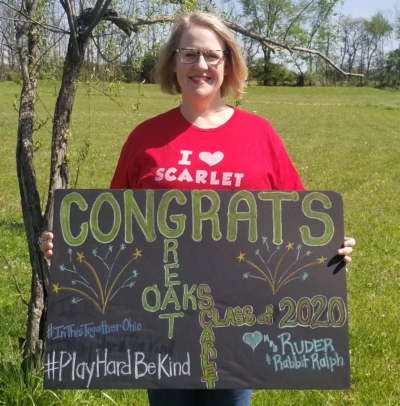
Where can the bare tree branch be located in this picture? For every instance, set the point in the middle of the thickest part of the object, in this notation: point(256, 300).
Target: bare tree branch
point(49, 27)
point(97, 14)
point(132, 25)
point(73, 28)
point(330, 62)
point(45, 52)
point(279, 46)
point(104, 56)
point(6, 42)
point(296, 18)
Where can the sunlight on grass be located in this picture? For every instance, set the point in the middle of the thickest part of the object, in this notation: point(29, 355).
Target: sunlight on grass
point(344, 139)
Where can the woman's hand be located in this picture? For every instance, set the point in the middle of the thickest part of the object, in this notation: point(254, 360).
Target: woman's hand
point(347, 249)
point(46, 244)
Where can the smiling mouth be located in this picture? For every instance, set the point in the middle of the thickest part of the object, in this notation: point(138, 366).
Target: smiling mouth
point(199, 79)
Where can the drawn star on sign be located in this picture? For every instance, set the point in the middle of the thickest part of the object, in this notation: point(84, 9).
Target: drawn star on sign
point(137, 253)
point(241, 257)
point(80, 256)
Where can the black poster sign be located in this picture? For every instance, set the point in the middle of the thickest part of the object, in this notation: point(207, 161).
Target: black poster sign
point(197, 289)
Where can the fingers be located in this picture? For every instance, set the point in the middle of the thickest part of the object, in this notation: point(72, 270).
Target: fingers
point(46, 244)
point(347, 249)
point(347, 259)
point(47, 235)
point(47, 250)
point(349, 242)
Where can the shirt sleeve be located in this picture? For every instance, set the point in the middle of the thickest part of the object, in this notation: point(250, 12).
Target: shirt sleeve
point(126, 175)
point(286, 176)
point(289, 178)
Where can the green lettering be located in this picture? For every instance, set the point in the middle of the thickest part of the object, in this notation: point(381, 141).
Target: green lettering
point(199, 216)
point(168, 275)
point(325, 218)
point(145, 302)
point(173, 248)
point(188, 295)
point(277, 198)
point(171, 317)
point(171, 298)
point(178, 219)
point(65, 219)
point(206, 301)
point(106, 197)
point(146, 224)
point(202, 322)
point(208, 348)
point(217, 321)
point(234, 215)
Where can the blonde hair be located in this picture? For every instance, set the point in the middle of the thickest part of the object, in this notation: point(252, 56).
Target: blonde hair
point(235, 79)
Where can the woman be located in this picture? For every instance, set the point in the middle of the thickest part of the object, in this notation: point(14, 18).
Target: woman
point(204, 144)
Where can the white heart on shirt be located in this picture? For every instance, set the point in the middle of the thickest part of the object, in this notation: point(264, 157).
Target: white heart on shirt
point(211, 159)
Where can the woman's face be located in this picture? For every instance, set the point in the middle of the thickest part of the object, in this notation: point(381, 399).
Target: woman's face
point(200, 81)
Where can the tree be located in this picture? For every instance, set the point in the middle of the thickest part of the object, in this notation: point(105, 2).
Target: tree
point(8, 60)
point(397, 20)
point(393, 65)
point(147, 67)
point(300, 25)
point(268, 18)
point(28, 39)
point(377, 29)
point(352, 38)
point(30, 29)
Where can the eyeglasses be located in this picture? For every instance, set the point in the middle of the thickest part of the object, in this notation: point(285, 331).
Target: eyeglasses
point(212, 57)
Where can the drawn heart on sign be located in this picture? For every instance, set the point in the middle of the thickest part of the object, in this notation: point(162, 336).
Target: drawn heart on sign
point(211, 159)
point(253, 339)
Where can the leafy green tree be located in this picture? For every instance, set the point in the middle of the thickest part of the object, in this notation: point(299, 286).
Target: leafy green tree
point(297, 24)
point(270, 18)
point(393, 66)
point(147, 67)
point(275, 75)
point(397, 20)
point(377, 30)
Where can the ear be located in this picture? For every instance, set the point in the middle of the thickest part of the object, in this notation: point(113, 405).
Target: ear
point(227, 67)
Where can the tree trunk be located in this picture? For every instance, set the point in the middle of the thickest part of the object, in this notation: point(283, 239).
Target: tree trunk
point(28, 44)
point(59, 171)
point(28, 41)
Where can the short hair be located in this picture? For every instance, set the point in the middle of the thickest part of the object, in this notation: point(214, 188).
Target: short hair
point(234, 80)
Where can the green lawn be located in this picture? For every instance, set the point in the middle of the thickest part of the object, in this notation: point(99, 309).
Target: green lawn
point(344, 139)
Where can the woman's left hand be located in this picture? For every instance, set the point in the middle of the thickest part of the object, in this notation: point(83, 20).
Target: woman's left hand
point(347, 249)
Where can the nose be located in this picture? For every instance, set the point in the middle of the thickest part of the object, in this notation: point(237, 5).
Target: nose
point(201, 62)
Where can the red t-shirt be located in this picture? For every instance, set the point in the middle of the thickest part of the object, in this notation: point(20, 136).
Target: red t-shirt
point(167, 152)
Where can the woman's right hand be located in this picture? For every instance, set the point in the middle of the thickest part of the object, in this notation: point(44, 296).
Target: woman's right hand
point(46, 245)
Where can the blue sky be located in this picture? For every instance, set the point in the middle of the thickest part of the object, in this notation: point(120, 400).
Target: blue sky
point(366, 8)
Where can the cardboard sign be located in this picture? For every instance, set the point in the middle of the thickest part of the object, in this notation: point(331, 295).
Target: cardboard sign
point(197, 289)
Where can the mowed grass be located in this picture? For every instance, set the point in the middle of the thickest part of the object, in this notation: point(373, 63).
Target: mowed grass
point(344, 139)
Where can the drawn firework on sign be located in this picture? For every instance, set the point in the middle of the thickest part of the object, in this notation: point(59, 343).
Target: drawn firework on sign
point(278, 270)
point(99, 286)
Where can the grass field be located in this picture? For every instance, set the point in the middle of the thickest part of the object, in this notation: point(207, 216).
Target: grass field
point(344, 139)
